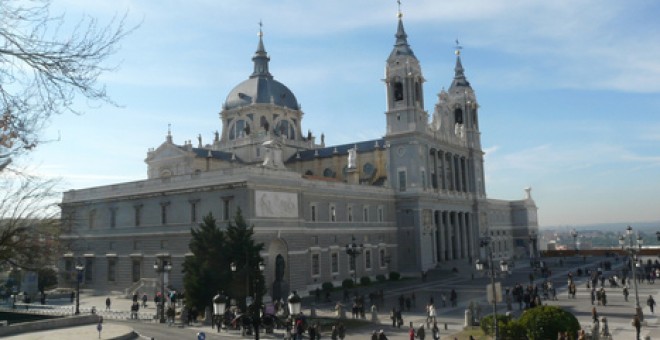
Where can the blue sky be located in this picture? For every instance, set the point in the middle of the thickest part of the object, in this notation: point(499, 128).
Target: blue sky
point(569, 90)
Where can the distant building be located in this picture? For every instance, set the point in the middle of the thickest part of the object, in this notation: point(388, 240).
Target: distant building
point(414, 199)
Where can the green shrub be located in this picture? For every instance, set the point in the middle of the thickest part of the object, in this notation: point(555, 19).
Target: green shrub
point(545, 322)
point(347, 283)
point(327, 286)
point(365, 281)
point(381, 278)
point(486, 323)
point(395, 276)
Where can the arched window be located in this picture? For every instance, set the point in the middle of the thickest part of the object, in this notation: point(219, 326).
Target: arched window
point(398, 91)
point(458, 116)
point(285, 128)
point(239, 129)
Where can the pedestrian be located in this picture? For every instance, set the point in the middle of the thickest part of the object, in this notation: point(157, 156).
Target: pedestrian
point(637, 324)
point(453, 297)
point(420, 332)
point(593, 295)
point(651, 303)
point(411, 332)
point(625, 293)
point(107, 303)
point(374, 335)
point(144, 300)
point(381, 335)
point(435, 332)
point(334, 335)
point(342, 331)
point(594, 314)
point(393, 317)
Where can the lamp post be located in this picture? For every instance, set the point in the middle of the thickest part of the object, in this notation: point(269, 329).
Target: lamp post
point(219, 307)
point(632, 252)
point(162, 267)
point(295, 303)
point(485, 242)
point(574, 233)
point(253, 304)
point(353, 250)
point(79, 273)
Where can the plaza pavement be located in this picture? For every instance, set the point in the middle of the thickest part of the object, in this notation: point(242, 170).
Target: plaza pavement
point(469, 285)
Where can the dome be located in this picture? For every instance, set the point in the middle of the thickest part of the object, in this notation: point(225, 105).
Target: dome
point(261, 90)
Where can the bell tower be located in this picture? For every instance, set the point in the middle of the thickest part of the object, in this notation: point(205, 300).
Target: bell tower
point(405, 95)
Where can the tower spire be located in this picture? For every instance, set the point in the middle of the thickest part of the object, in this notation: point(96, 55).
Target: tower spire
point(260, 57)
point(459, 72)
point(401, 46)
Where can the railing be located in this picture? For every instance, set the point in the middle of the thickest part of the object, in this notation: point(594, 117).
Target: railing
point(66, 310)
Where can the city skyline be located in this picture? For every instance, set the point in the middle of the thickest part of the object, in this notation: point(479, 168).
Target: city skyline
point(568, 91)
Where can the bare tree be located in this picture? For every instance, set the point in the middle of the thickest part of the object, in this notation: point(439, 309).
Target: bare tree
point(42, 69)
point(29, 220)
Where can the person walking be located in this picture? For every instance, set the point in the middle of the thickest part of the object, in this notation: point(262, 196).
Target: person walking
point(381, 335)
point(625, 293)
point(107, 303)
point(651, 302)
point(637, 324)
point(421, 334)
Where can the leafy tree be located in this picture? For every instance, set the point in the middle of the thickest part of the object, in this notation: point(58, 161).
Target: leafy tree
point(244, 252)
point(42, 69)
point(545, 322)
point(207, 271)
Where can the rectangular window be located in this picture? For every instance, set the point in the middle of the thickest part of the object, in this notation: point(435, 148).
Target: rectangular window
point(68, 265)
point(367, 259)
point(138, 213)
point(316, 264)
point(381, 258)
point(333, 214)
point(92, 218)
point(136, 270)
point(193, 211)
point(136, 245)
point(163, 244)
point(163, 212)
point(89, 269)
point(313, 213)
point(351, 264)
point(350, 214)
point(112, 267)
point(402, 181)
point(334, 263)
point(111, 245)
point(365, 214)
point(113, 217)
point(380, 214)
point(226, 209)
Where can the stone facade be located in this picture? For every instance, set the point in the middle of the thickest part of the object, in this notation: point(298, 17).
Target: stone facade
point(414, 199)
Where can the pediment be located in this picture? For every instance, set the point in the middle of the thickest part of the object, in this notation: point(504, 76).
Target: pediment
point(167, 151)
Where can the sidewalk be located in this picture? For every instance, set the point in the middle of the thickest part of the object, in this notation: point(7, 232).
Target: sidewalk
point(110, 332)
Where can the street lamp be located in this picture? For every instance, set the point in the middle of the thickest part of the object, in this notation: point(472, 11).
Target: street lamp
point(163, 268)
point(632, 251)
point(574, 233)
point(219, 307)
point(252, 304)
point(295, 303)
point(504, 266)
point(353, 250)
point(79, 275)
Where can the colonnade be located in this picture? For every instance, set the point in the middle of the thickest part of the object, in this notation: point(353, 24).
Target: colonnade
point(455, 235)
point(451, 171)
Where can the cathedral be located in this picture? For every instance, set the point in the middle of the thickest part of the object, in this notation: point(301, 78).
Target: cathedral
point(410, 201)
